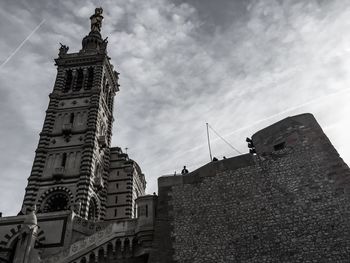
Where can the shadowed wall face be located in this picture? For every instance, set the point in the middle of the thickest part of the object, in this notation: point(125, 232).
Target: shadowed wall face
point(291, 205)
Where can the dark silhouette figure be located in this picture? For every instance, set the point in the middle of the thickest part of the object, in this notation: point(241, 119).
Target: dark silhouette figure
point(215, 159)
point(224, 157)
point(184, 170)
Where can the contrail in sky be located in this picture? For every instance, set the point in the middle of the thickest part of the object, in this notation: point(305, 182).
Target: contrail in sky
point(316, 100)
point(21, 45)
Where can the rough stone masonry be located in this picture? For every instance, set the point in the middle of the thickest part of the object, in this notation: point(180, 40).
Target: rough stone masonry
point(288, 203)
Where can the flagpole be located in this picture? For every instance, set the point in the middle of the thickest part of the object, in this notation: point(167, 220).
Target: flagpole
point(209, 143)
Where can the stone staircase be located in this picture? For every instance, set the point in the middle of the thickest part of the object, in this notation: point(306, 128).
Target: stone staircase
point(96, 247)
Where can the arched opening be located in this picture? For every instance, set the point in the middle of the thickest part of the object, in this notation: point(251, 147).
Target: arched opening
point(71, 118)
point(118, 249)
point(110, 254)
point(92, 258)
point(80, 78)
point(98, 173)
point(104, 83)
point(64, 160)
point(90, 78)
point(97, 169)
point(127, 250)
point(106, 89)
point(8, 253)
point(57, 201)
point(69, 78)
point(93, 210)
point(101, 256)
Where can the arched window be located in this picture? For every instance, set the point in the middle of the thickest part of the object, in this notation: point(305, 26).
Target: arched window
point(64, 159)
point(48, 162)
point(71, 118)
point(77, 160)
point(80, 79)
point(70, 159)
point(92, 258)
point(107, 95)
point(97, 169)
point(105, 89)
point(69, 78)
point(90, 78)
point(93, 211)
point(12, 248)
point(57, 201)
point(104, 81)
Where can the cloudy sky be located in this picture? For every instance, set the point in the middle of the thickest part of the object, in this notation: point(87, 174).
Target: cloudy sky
point(239, 65)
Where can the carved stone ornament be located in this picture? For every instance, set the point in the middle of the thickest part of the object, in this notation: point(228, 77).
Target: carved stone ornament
point(63, 49)
point(98, 182)
point(96, 20)
point(77, 207)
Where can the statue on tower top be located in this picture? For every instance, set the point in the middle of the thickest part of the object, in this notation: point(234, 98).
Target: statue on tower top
point(96, 20)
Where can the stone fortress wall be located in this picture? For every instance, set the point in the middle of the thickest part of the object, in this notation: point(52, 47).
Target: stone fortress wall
point(288, 203)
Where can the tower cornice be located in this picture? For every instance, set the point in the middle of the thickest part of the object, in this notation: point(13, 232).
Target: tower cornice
point(78, 59)
point(81, 59)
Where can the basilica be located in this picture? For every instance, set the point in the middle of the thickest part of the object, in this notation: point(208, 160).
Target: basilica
point(287, 200)
point(81, 192)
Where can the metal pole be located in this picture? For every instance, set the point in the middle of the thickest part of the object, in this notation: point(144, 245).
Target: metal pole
point(209, 143)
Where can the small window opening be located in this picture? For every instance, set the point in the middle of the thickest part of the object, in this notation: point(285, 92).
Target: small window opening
point(69, 78)
point(97, 169)
point(104, 81)
point(279, 146)
point(117, 185)
point(71, 118)
point(64, 159)
point(80, 78)
point(106, 88)
point(90, 78)
point(116, 199)
point(92, 212)
point(24, 235)
point(115, 212)
point(117, 173)
point(146, 210)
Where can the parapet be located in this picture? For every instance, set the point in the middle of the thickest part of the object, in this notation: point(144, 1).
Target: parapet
point(288, 133)
point(295, 131)
point(208, 170)
point(146, 206)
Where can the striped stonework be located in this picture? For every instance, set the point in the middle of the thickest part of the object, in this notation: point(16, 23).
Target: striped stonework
point(76, 142)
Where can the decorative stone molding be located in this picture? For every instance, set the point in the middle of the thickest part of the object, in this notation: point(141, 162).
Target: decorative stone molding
point(53, 190)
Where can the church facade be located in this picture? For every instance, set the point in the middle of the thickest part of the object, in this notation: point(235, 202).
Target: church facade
point(81, 191)
point(286, 201)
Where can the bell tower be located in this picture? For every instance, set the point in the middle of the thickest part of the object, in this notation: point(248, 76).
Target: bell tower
point(71, 163)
